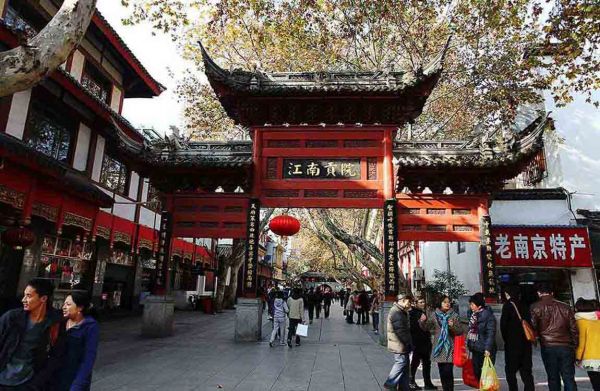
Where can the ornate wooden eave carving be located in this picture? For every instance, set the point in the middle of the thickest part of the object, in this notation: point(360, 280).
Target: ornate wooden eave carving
point(255, 98)
point(466, 168)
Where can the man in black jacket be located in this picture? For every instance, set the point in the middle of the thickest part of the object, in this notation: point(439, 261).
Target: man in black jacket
point(422, 345)
point(517, 350)
point(31, 341)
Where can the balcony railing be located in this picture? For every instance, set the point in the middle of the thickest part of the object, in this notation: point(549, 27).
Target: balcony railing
point(95, 88)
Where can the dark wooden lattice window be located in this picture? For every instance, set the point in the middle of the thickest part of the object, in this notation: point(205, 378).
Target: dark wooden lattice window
point(153, 198)
point(48, 132)
point(96, 83)
point(114, 174)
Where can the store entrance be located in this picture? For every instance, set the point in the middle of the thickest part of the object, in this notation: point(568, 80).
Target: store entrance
point(529, 278)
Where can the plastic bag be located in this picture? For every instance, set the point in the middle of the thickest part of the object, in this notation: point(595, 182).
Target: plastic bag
point(302, 330)
point(460, 352)
point(468, 374)
point(489, 379)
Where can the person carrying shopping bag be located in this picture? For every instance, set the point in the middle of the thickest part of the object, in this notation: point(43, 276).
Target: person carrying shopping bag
point(444, 323)
point(296, 311)
point(481, 338)
point(280, 310)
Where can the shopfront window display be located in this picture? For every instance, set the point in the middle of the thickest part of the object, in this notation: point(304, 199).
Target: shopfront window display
point(64, 260)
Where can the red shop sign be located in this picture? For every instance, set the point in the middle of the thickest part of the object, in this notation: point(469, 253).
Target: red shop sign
point(543, 246)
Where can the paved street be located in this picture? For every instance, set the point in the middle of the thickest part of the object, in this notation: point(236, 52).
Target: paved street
point(202, 356)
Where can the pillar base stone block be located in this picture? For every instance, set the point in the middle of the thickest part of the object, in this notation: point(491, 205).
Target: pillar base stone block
point(248, 320)
point(159, 312)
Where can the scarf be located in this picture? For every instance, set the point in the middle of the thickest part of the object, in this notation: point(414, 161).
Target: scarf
point(473, 334)
point(443, 341)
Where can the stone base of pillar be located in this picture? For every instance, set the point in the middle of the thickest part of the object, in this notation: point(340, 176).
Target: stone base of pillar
point(248, 320)
point(158, 316)
point(383, 314)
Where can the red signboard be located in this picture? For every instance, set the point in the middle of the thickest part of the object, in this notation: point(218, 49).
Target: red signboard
point(543, 246)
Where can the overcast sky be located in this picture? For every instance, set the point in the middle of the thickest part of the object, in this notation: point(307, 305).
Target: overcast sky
point(158, 54)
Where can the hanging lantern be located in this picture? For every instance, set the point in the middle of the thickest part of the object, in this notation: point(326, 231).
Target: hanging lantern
point(18, 237)
point(284, 225)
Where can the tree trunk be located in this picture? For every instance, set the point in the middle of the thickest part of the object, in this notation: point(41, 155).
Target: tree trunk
point(231, 291)
point(222, 276)
point(26, 65)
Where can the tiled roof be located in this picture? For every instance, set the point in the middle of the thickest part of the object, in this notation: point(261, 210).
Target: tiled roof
point(154, 85)
point(204, 154)
point(530, 194)
point(448, 155)
point(319, 83)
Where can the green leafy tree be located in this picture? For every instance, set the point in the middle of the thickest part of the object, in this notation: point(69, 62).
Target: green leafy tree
point(445, 283)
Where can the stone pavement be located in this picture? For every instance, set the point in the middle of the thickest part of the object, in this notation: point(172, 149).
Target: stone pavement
point(203, 356)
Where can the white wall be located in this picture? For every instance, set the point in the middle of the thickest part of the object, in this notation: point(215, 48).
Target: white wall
point(82, 148)
point(572, 154)
point(17, 116)
point(466, 266)
point(98, 157)
point(147, 218)
point(77, 65)
point(531, 212)
point(126, 211)
point(134, 185)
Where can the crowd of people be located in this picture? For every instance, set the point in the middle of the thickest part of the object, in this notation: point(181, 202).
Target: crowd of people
point(418, 336)
point(44, 349)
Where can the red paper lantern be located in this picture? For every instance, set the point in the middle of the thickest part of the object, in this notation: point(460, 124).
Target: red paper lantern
point(284, 225)
point(18, 237)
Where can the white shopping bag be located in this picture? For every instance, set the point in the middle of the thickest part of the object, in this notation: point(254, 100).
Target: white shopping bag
point(302, 330)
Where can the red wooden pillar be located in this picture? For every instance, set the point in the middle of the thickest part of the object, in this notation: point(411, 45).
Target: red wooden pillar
point(390, 236)
point(388, 165)
point(257, 161)
point(28, 205)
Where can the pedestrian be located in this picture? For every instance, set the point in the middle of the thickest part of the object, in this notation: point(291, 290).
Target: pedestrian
point(310, 301)
point(375, 305)
point(280, 310)
point(399, 342)
point(481, 337)
point(554, 323)
point(445, 325)
point(32, 344)
point(588, 348)
point(318, 301)
point(82, 332)
point(517, 349)
point(296, 313)
point(327, 297)
point(350, 309)
point(421, 337)
point(346, 297)
point(363, 298)
point(357, 307)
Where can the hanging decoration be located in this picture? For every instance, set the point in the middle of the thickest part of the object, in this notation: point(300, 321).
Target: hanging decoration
point(18, 237)
point(284, 225)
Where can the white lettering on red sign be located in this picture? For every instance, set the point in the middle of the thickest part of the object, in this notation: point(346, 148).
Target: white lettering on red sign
point(532, 245)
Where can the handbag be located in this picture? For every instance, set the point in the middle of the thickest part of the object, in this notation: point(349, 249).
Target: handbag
point(530, 334)
point(468, 374)
point(302, 330)
point(459, 355)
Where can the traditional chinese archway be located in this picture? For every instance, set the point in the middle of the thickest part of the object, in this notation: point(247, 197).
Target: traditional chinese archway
point(328, 140)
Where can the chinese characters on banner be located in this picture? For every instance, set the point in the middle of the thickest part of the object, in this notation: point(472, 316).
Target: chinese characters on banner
point(164, 246)
point(543, 246)
point(488, 266)
point(321, 169)
point(252, 246)
point(390, 242)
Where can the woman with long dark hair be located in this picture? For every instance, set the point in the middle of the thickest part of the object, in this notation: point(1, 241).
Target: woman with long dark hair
point(82, 343)
point(444, 323)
